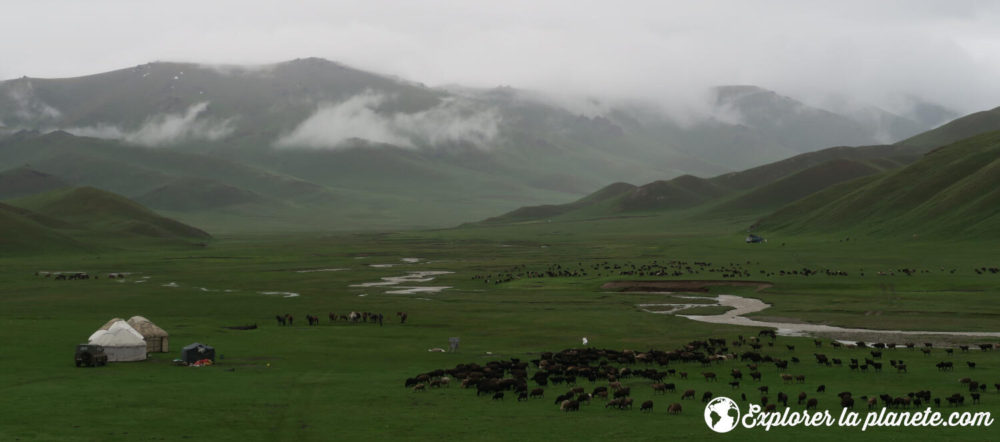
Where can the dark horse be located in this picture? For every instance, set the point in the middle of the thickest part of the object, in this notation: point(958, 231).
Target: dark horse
point(281, 319)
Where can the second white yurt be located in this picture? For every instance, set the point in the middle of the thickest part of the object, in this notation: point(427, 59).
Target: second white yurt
point(121, 342)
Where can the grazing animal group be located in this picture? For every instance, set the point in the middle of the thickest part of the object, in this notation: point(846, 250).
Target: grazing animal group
point(616, 375)
point(352, 317)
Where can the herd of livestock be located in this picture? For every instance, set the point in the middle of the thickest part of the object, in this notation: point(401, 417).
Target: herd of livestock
point(686, 269)
point(616, 376)
point(352, 317)
point(69, 276)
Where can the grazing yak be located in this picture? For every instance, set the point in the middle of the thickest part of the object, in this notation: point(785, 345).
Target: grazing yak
point(569, 405)
point(646, 406)
point(674, 408)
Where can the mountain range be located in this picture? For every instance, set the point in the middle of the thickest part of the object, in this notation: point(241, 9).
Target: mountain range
point(312, 144)
point(941, 182)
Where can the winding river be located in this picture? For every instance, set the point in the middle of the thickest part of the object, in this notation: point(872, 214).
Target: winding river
point(742, 306)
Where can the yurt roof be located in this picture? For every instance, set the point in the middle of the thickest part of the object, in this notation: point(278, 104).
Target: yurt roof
point(116, 337)
point(119, 326)
point(107, 325)
point(146, 327)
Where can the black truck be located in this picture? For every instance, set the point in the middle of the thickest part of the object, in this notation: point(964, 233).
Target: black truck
point(89, 355)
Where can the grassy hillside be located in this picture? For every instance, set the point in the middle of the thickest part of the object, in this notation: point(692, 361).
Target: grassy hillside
point(91, 210)
point(608, 195)
point(953, 190)
point(24, 180)
point(806, 182)
point(23, 231)
point(959, 129)
point(196, 194)
point(764, 187)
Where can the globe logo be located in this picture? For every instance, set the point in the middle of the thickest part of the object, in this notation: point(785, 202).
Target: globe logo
point(722, 414)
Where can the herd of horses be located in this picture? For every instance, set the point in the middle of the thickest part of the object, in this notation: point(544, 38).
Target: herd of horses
point(616, 374)
point(353, 317)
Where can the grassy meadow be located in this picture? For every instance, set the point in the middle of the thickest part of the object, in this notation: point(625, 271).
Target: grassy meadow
point(340, 381)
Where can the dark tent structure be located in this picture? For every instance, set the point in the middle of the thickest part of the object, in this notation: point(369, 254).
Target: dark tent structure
point(195, 352)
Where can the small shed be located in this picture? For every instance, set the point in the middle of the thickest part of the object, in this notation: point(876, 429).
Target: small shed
point(195, 352)
point(157, 339)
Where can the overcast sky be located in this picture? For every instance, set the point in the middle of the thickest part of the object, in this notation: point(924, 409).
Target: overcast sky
point(873, 51)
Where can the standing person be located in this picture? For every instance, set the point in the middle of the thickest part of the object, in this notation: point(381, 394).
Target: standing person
point(379, 319)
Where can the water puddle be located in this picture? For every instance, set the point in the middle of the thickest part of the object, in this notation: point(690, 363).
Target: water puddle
point(415, 290)
point(282, 294)
point(404, 282)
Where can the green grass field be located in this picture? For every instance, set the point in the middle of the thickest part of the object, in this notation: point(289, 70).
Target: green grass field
point(339, 381)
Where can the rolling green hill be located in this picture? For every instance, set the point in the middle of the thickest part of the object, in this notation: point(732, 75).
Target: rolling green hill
point(953, 190)
point(768, 187)
point(197, 194)
point(24, 180)
point(24, 231)
point(959, 129)
point(96, 212)
point(803, 183)
point(764, 187)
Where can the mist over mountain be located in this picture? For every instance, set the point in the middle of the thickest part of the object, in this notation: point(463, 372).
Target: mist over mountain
point(384, 145)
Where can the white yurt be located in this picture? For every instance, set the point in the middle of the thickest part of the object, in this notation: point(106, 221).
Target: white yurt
point(156, 337)
point(121, 342)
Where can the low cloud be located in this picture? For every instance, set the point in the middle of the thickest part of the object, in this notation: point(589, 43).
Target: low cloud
point(164, 129)
point(453, 121)
point(27, 105)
